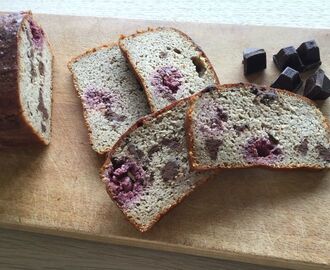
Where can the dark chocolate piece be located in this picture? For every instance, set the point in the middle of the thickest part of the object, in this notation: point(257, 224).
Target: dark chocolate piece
point(263, 95)
point(254, 60)
point(323, 152)
point(135, 151)
point(212, 147)
point(288, 57)
point(41, 106)
point(155, 148)
point(289, 79)
point(170, 170)
point(302, 147)
point(317, 86)
point(309, 54)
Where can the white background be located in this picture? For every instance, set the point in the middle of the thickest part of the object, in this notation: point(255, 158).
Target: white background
point(311, 14)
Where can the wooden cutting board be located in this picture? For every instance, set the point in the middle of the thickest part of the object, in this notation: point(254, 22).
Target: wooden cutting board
point(279, 218)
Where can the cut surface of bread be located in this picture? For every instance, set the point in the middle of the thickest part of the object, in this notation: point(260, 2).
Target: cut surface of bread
point(147, 171)
point(243, 125)
point(169, 65)
point(111, 96)
point(25, 81)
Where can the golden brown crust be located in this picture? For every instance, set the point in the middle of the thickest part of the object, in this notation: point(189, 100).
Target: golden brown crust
point(138, 75)
point(194, 165)
point(76, 86)
point(107, 163)
point(88, 52)
point(15, 129)
point(190, 136)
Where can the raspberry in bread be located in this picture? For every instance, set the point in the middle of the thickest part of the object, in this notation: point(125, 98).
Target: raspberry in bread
point(112, 98)
point(169, 65)
point(25, 81)
point(243, 125)
point(147, 171)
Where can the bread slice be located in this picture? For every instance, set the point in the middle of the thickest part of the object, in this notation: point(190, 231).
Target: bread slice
point(112, 98)
point(243, 125)
point(147, 172)
point(25, 81)
point(168, 64)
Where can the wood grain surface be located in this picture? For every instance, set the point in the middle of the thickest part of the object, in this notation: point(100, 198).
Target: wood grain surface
point(31, 251)
point(278, 218)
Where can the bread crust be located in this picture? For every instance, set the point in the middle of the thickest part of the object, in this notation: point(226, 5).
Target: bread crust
point(15, 129)
point(76, 86)
point(193, 163)
point(107, 163)
point(138, 75)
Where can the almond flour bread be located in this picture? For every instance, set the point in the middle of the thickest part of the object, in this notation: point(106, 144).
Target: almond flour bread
point(244, 125)
point(111, 96)
point(168, 64)
point(25, 81)
point(147, 171)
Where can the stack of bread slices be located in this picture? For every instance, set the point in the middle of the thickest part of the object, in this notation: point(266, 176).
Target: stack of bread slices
point(154, 106)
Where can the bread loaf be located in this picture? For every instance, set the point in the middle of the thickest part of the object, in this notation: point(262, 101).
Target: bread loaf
point(25, 81)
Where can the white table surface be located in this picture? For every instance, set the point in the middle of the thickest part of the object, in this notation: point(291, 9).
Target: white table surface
point(293, 13)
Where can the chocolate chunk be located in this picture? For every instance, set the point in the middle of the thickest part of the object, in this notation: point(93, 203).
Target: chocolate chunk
point(289, 79)
point(43, 127)
point(212, 147)
point(33, 72)
point(263, 95)
point(309, 54)
point(113, 116)
point(170, 170)
point(288, 57)
point(209, 88)
point(323, 152)
point(171, 143)
point(41, 106)
point(155, 148)
point(302, 148)
point(240, 128)
point(268, 97)
point(116, 162)
point(317, 86)
point(221, 115)
point(136, 152)
point(41, 68)
point(169, 96)
point(255, 90)
point(254, 60)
